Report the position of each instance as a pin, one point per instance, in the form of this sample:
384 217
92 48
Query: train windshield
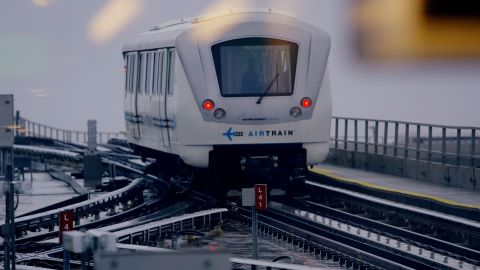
251 67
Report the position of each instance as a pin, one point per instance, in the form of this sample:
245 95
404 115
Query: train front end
263 106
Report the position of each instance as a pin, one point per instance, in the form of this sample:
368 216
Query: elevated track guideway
355 230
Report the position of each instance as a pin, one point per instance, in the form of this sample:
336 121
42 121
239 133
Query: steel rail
118 217
146 230
413 214
81 208
314 239
386 232
389 255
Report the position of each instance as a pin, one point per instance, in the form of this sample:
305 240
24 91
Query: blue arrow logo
229 134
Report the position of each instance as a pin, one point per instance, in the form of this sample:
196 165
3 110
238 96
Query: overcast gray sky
65 67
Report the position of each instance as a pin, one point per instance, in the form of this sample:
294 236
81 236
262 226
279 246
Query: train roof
164 34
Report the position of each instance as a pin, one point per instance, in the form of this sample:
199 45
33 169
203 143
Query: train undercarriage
281 166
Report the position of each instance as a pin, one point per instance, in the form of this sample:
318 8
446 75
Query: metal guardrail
103 201
46 153
455 145
25 127
458 145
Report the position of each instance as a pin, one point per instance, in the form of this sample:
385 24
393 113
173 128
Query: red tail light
208 105
306 102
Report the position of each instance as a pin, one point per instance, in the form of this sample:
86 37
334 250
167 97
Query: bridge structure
433 154
440 154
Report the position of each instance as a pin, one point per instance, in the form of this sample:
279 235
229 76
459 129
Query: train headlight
219 113
208 105
295 112
306 102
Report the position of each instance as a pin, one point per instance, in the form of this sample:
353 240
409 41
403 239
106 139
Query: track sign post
65 222
261 197
259 203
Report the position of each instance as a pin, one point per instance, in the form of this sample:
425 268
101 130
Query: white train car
236 92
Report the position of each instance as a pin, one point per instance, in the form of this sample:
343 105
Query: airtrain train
243 94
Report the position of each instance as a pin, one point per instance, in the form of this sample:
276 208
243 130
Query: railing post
376 137
472 148
56 133
385 138
430 134
418 142
45 131
459 145
395 141
407 139
366 136
345 137
355 135
444 145
336 133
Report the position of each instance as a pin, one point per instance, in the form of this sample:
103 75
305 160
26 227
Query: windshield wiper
259 101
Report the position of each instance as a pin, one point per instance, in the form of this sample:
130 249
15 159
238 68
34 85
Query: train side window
129 72
171 71
135 72
163 71
125 70
145 65
160 71
143 73
149 79
132 73
154 73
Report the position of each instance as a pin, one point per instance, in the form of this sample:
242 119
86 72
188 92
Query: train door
127 95
169 105
156 97
134 100
131 95
151 100
163 98
143 96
